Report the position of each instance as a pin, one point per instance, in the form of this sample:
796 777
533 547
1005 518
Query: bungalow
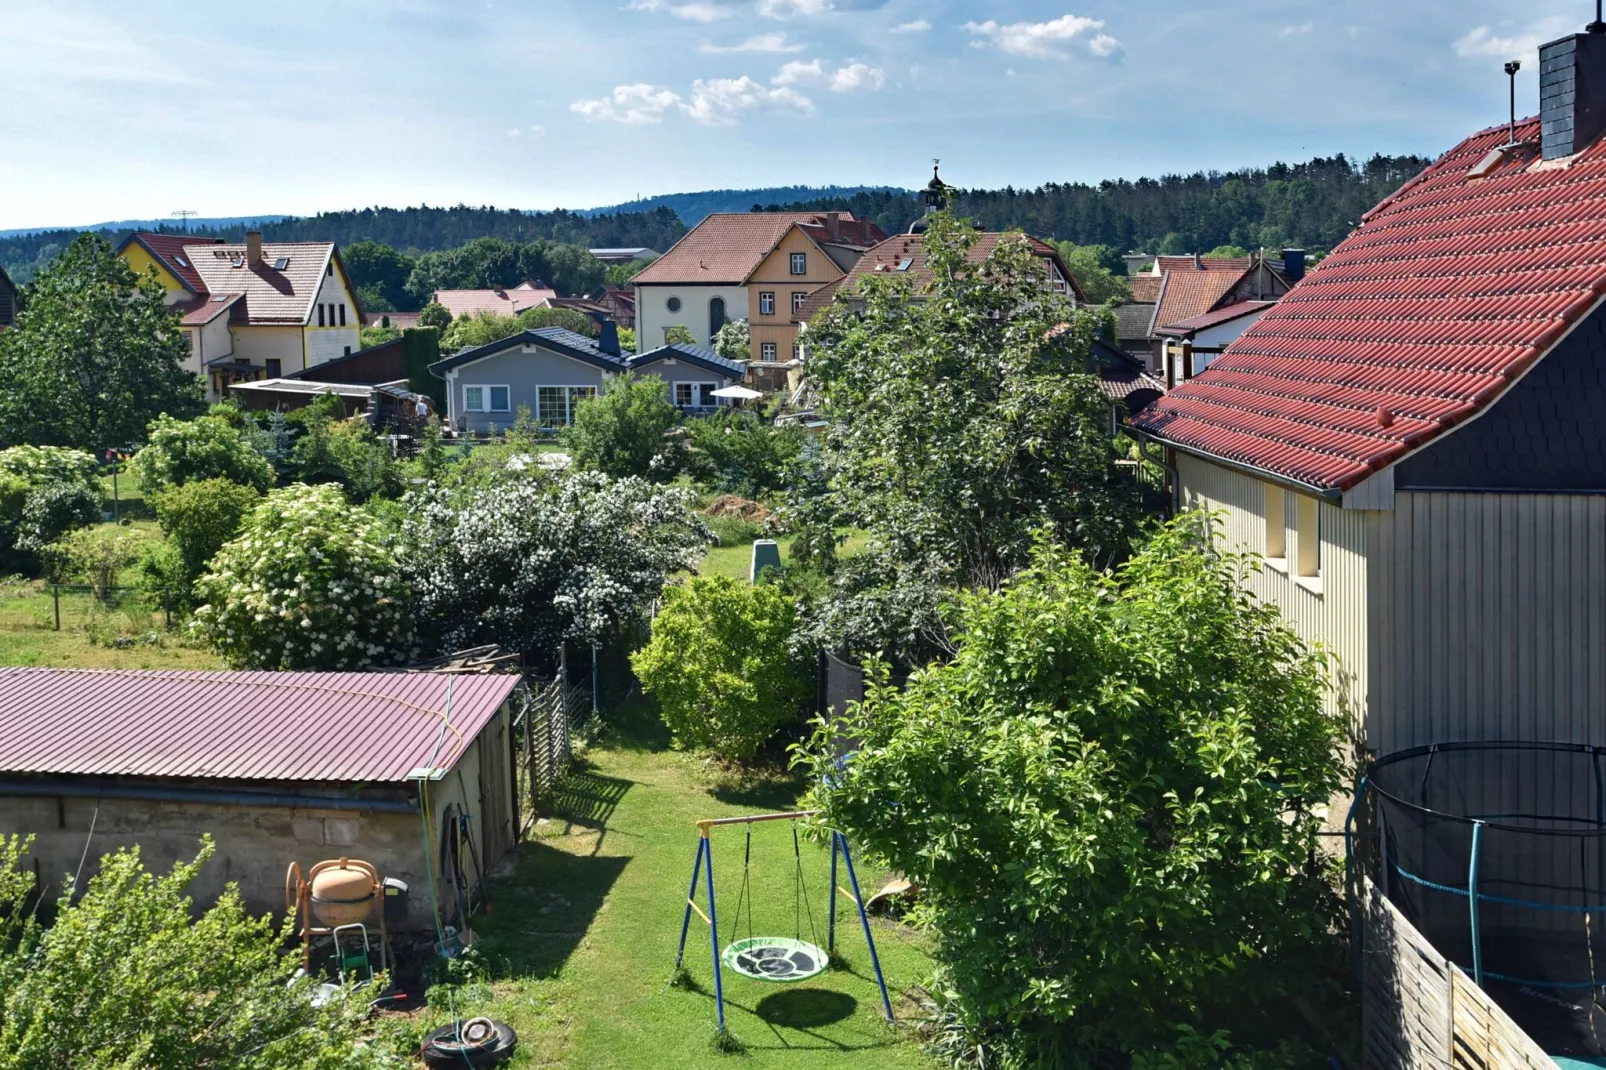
549 371
277 767
1411 439
691 373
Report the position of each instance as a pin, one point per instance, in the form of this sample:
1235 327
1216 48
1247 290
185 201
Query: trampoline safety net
1496 852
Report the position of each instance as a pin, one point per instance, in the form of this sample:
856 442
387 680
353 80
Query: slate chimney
1572 92
1294 264
253 247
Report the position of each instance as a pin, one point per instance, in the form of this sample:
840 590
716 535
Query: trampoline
1496 853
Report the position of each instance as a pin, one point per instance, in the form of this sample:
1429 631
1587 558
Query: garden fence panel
550 714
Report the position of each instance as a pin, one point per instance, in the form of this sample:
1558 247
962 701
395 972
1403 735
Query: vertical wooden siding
1331 613
1491 615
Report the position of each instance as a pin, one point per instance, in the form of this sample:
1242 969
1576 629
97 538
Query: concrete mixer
338 897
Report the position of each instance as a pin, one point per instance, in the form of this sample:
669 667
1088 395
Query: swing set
777 959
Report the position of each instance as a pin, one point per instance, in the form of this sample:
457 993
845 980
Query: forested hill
1312 204
693 208
414 230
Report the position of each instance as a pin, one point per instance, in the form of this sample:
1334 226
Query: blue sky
123 110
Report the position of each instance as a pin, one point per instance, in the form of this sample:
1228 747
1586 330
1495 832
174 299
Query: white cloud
1043 40
789 9
799 73
719 101
1484 42
917 26
857 76
633 105
764 42
1299 31
695 11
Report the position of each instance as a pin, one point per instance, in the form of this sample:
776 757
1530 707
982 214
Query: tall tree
95 356
380 275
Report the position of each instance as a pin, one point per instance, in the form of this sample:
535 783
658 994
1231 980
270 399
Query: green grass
735 561
580 944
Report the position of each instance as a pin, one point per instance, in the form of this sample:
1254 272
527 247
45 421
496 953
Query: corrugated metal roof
1424 316
370 727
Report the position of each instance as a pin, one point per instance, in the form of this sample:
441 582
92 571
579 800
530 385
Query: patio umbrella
741 392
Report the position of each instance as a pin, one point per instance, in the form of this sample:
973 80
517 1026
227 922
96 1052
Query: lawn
580 943
736 561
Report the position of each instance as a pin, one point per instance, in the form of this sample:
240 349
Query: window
797 351
716 316
342 313
473 399
280 263
555 405
798 297
329 269
683 394
499 399
275 367
766 303
767 351
696 395
1276 530
1308 532
673 304
800 263
320 315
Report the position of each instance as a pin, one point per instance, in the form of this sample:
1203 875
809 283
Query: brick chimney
1572 92
833 224
253 248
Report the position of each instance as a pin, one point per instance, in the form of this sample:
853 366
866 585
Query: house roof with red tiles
1214 318
1145 288
904 256
1188 293
171 250
1239 264
203 308
727 247
499 301
1446 294
273 294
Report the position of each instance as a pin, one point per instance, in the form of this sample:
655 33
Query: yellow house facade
777 289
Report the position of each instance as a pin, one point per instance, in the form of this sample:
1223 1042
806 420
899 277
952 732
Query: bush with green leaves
734 341
39 465
94 555
207 447
311 582
1110 798
347 453
435 315
721 666
747 455
532 559
626 430
52 511
129 975
198 519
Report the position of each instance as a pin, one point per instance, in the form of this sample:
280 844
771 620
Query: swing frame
703 866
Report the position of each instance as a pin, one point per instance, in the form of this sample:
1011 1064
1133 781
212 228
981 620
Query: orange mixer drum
343 892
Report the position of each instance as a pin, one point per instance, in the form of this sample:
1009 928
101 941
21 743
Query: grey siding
1490 619
684 372
1544 434
523 371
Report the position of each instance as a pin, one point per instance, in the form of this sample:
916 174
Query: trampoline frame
1478 823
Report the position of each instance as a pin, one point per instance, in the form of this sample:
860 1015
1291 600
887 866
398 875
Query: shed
277 767
549 371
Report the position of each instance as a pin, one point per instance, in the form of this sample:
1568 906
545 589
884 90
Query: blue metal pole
830 925
1349 873
1472 898
858 897
713 934
685 926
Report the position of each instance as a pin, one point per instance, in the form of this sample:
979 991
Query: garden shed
277 767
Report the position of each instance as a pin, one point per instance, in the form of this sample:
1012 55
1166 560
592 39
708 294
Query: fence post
55 591
167 610
596 706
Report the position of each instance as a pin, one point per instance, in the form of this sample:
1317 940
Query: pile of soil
731 505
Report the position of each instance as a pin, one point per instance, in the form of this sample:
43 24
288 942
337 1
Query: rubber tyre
495 1050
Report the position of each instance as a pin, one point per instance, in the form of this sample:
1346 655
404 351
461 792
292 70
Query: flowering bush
45 492
310 583
524 563
37 465
208 447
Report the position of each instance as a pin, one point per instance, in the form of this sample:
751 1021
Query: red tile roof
501 302
1239 264
170 250
1189 293
1146 288
1224 314
373 727
727 247
203 308
1424 316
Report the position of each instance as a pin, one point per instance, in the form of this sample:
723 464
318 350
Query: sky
118 110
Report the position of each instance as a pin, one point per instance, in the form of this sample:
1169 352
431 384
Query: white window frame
485 397
692 386
798 297
767 351
766 303
569 403
469 406
800 263
490 398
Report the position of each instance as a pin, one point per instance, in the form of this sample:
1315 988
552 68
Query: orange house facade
793 270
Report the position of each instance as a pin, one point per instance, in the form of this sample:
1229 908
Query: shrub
435 315
129 975
346 452
310 583
528 561
721 667
198 519
96 555
623 431
51 511
45 491
208 447
38 465
733 530
1110 798
749 456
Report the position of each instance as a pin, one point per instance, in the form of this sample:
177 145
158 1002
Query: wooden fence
544 727
1419 1011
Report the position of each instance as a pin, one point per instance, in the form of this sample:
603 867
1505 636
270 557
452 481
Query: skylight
904 265
181 261
281 263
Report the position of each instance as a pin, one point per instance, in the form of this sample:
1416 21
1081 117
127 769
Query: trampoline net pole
1472 904
830 924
